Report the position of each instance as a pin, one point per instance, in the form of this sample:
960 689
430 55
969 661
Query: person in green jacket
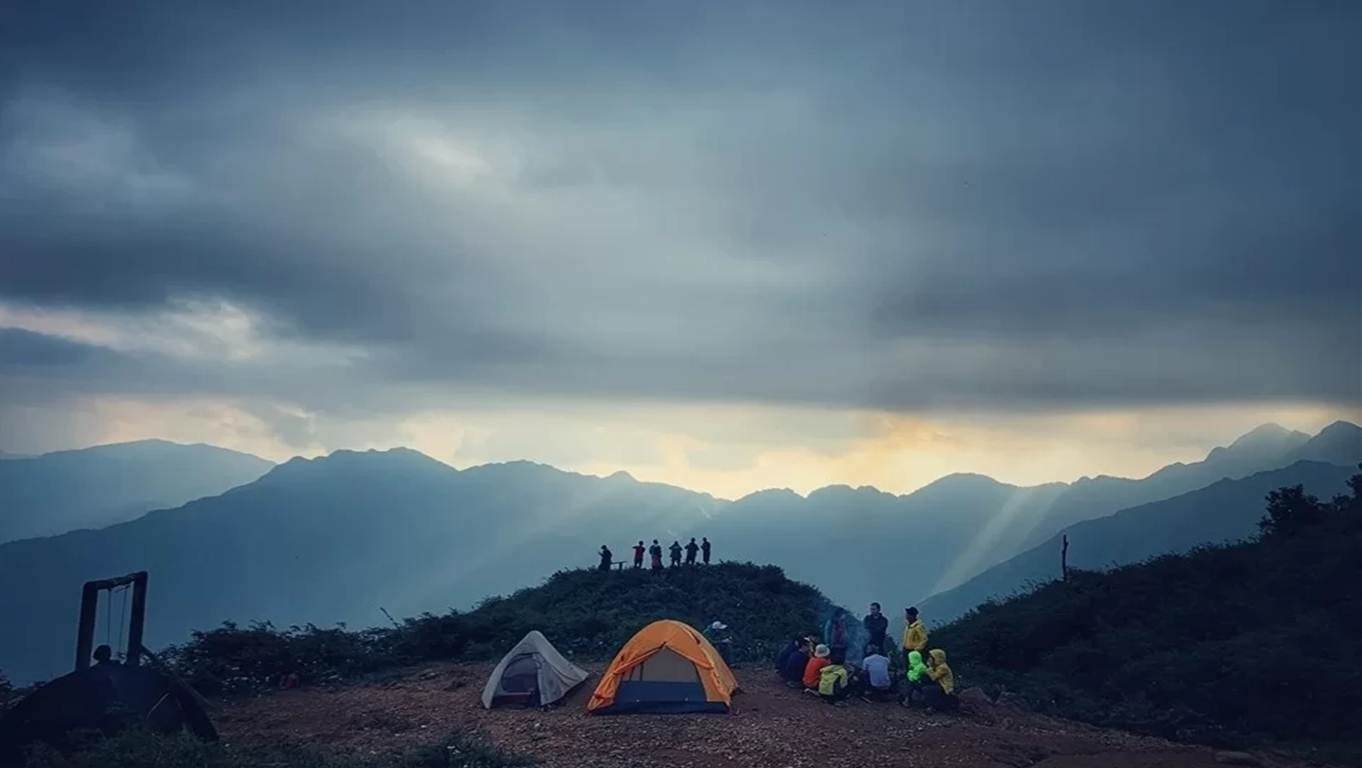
918 679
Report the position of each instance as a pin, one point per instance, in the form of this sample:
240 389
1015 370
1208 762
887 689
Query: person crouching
941 696
834 680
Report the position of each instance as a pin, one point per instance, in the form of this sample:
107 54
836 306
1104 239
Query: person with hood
639 549
814 668
834 680
941 696
656 551
914 633
606 556
675 549
704 549
917 679
876 626
691 549
793 668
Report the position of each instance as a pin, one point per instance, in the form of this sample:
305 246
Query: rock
1237 758
1009 699
975 696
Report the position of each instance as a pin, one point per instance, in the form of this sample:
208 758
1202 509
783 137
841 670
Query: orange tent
666 667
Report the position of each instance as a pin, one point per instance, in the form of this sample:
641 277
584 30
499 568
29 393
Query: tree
1291 510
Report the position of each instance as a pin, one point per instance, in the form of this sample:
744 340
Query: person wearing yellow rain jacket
942 695
834 680
914 634
918 679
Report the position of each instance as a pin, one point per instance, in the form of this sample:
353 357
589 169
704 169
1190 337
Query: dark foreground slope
1257 641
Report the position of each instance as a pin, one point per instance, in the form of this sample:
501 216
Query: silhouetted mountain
330 540
1228 510
1266 447
107 484
1338 443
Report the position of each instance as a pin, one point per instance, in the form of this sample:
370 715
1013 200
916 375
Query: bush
586 613
1223 645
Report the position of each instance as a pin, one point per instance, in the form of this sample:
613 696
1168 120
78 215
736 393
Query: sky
726 245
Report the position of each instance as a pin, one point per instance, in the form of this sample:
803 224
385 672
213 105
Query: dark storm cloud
899 205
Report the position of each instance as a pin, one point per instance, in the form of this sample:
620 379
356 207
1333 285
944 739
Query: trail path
772 726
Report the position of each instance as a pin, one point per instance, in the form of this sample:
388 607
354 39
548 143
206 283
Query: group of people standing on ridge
655 554
909 677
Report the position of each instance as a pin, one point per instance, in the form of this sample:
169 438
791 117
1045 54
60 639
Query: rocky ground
771 726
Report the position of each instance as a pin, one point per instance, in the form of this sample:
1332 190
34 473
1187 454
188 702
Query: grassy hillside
1253 642
585 613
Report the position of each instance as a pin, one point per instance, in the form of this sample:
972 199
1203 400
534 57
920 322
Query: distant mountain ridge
333 538
95 487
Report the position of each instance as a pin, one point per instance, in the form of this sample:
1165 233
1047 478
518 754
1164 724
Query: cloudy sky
728 245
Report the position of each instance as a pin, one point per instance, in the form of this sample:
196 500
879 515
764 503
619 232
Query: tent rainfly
666 667
533 673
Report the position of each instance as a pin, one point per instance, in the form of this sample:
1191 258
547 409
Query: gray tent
534 673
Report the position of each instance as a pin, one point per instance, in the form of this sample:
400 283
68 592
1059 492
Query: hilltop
1254 642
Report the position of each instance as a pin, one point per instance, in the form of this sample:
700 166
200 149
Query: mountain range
334 538
95 487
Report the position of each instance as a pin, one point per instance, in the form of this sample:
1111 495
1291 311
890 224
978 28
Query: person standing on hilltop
639 549
606 556
656 551
876 626
675 549
914 634
691 549
704 549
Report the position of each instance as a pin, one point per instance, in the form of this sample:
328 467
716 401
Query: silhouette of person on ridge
691 549
638 554
704 549
606 556
675 549
656 551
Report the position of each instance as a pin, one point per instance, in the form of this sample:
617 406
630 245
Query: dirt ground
771 726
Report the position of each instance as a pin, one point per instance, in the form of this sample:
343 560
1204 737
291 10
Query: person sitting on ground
786 650
103 655
917 679
717 635
940 697
704 549
878 683
691 549
815 666
834 680
793 669
656 551
639 549
676 553
606 556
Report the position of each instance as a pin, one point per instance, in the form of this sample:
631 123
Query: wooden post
85 631
1064 559
133 655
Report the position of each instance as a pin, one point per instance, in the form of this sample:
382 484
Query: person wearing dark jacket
793 670
656 551
606 556
785 652
691 549
675 549
704 549
876 626
639 549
